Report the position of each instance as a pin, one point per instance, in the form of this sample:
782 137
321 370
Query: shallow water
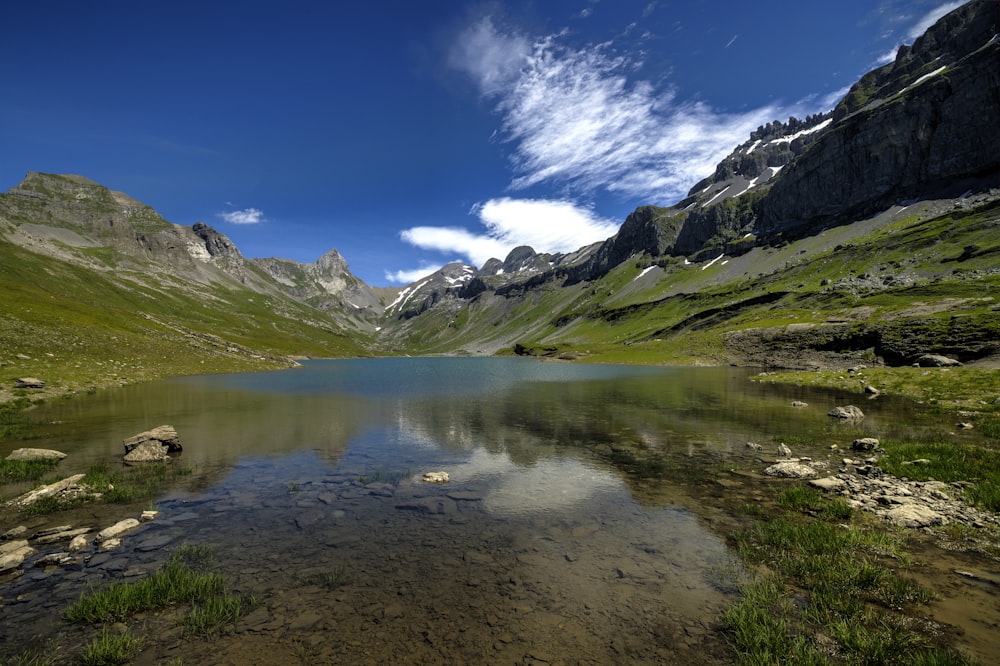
540 549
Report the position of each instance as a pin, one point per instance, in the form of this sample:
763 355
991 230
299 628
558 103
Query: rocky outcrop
647 230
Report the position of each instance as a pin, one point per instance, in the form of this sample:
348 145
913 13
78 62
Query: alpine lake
584 519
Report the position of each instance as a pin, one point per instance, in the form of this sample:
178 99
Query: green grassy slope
80 328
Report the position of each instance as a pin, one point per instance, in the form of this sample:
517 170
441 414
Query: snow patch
925 77
644 271
717 195
793 137
713 261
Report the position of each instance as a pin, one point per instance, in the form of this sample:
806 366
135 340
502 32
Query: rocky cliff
926 122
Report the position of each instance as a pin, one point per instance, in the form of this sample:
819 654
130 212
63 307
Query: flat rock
116 530
791 470
13 554
866 444
36 454
913 515
435 477
29 382
828 483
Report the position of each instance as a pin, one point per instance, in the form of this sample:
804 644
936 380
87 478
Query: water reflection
542 547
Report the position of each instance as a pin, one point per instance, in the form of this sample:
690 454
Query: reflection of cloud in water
550 484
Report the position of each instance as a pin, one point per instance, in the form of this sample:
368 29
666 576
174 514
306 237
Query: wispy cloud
576 117
920 27
412 275
545 225
245 216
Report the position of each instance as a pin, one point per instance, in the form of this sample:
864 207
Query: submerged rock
435 477
116 530
14 553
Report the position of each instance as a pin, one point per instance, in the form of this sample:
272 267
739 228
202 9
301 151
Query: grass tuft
111 649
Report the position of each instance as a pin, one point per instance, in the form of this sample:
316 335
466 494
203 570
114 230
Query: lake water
549 544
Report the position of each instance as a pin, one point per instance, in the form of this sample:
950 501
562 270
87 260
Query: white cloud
412 275
576 118
245 216
931 17
545 225
920 27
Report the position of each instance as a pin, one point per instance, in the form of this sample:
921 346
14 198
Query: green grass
844 575
125 486
110 649
977 465
184 579
13 471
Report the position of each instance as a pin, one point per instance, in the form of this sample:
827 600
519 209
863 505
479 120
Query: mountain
866 234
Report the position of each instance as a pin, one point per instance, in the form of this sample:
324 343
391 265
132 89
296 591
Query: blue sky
410 134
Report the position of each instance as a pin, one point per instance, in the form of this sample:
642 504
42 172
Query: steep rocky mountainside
867 234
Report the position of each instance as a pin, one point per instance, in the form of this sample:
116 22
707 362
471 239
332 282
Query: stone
964 426
753 446
914 515
784 451
937 361
62 534
865 444
791 470
871 390
14 532
435 477
29 382
36 454
110 544
148 515
848 412
147 451
828 483
799 403
116 530
78 543
14 553
54 559
164 434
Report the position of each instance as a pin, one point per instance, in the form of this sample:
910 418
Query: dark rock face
925 121
216 244
647 230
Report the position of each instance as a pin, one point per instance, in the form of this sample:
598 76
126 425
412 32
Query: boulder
791 470
865 444
147 451
436 477
164 434
29 382
35 454
848 412
937 361
784 451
